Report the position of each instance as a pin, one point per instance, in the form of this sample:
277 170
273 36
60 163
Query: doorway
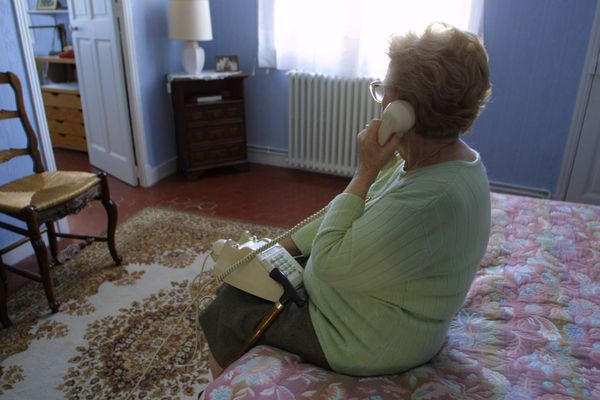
111 127
579 180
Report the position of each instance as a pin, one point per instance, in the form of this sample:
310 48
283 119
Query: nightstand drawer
216 133
200 113
200 156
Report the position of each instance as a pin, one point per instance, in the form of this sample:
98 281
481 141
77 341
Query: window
348 37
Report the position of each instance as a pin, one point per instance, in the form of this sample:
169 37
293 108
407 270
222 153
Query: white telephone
259 257
398 116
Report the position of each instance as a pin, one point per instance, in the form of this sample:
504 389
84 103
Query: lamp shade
189 20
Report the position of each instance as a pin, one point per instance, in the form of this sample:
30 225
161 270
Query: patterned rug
112 320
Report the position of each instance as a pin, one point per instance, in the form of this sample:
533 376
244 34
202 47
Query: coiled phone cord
248 257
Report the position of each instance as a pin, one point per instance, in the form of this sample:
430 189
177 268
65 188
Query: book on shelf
208 99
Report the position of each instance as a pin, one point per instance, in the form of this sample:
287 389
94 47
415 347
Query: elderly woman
385 277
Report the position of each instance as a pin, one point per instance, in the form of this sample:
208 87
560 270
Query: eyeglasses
377 90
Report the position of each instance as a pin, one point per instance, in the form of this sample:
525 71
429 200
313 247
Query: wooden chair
42 199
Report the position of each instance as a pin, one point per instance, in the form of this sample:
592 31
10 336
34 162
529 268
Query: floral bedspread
529 328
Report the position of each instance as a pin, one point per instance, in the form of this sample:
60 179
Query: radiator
325 114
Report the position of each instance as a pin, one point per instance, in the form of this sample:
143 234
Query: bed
529 328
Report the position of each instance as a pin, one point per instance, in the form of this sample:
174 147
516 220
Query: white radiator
325 114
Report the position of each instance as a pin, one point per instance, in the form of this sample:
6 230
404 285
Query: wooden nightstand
210 122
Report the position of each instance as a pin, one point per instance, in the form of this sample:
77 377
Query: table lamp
190 20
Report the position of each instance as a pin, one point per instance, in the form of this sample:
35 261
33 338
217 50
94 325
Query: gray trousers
231 318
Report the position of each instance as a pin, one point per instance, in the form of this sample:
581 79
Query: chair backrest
32 144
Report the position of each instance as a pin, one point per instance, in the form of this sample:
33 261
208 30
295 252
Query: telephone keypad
278 257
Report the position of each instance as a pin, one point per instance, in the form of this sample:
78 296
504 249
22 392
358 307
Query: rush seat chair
41 199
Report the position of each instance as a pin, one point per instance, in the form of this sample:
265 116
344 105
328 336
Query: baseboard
153 175
268 156
509 188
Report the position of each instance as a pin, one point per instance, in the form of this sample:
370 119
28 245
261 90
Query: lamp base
192 58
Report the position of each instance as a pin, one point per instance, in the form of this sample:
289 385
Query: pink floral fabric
529 328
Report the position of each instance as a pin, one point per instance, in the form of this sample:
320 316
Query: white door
584 183
102 85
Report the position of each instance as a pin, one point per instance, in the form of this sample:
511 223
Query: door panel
584 183
102 85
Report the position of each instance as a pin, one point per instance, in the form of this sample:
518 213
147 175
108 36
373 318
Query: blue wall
235 28
536 48
157 56
11 132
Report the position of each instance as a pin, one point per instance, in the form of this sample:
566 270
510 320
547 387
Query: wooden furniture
42 199
62 103
55 60
209 123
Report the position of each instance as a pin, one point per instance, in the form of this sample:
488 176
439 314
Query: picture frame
47 4
227 64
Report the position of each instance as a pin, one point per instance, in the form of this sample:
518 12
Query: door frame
591 63
125 14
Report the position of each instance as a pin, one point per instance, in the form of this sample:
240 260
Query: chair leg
52 240
3 297
111 212
41 253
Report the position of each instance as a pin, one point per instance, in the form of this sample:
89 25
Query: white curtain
349 37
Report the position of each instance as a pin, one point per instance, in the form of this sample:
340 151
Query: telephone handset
398 116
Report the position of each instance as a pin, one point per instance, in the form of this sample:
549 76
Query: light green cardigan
384 279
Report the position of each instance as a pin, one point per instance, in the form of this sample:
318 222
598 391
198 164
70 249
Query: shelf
65 87
49 12
55 59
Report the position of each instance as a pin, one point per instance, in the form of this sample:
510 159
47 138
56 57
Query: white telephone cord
248 257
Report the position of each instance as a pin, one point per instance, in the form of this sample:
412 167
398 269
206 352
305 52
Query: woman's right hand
371 158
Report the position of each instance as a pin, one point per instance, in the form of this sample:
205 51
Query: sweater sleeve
354 250
303 237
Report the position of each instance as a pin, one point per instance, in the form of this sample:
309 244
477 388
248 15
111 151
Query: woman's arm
290 246
371 159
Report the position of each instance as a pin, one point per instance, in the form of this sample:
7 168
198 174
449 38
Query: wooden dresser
210 123
62 103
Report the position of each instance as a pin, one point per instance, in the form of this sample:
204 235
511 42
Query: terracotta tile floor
265 195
